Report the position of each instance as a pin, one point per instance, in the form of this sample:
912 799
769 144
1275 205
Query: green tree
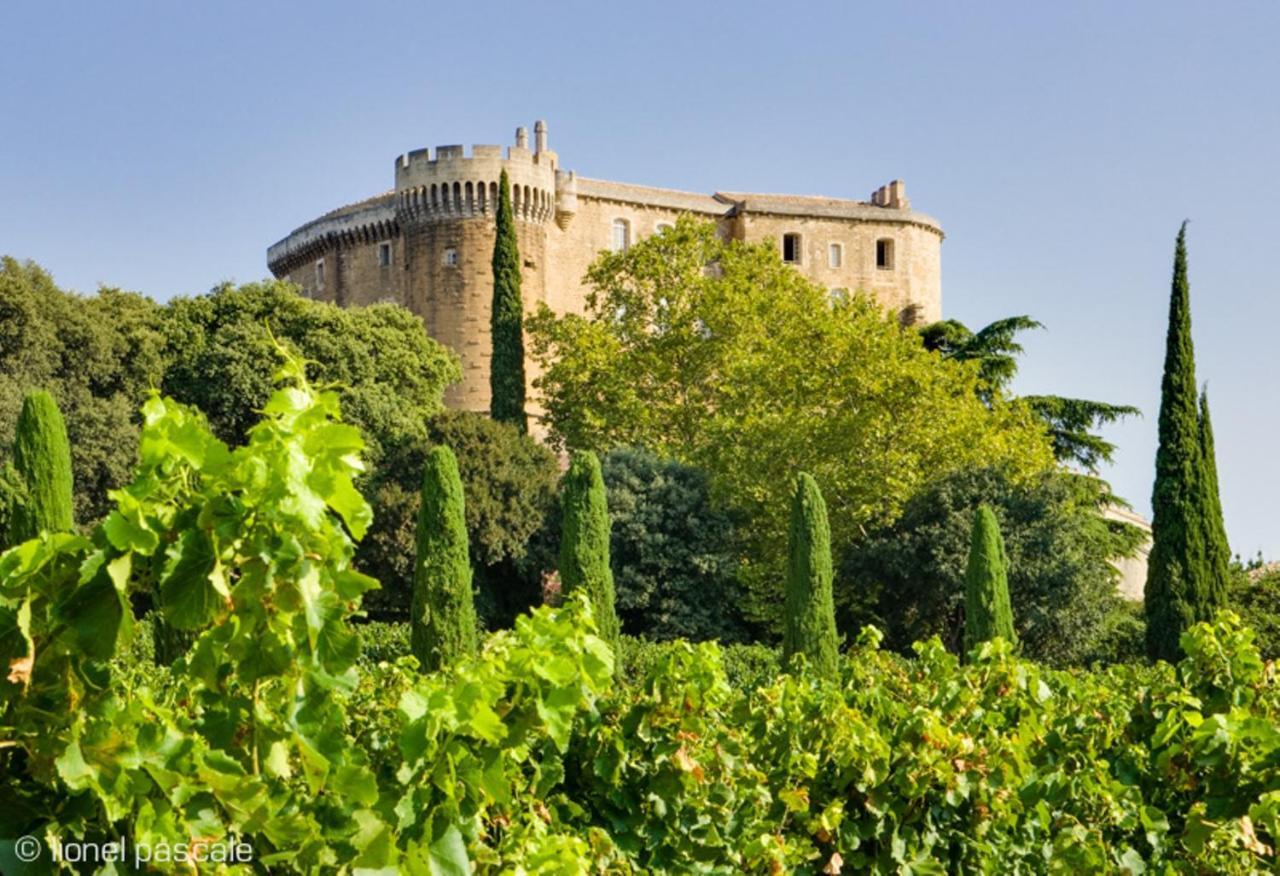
506 320
221 347
810 616
1071 422
1217 548
443 618
994 347
390 376
97 355
584 541
750 372
987 613
908 578
1180 586
511 486
673 550
42 461
1255 594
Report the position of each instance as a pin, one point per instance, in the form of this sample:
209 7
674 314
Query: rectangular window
384 255
320 274
451 257
791 248
835 255
621 235
884 254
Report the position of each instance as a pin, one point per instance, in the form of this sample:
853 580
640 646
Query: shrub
673 550
908 578
384 642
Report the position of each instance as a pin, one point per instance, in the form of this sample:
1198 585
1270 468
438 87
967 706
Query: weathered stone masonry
427 243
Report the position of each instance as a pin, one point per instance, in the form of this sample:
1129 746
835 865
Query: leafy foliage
1185 568
390 373
909 577
584 540
994 347
703 351
672 549
249 549
987 614
1217 549
42 465
810 627
510 482
96 355
443 618
506 320
529 758
1071 421
1255 594
927 766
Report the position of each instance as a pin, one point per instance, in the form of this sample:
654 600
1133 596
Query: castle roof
819 206
733 203
673 199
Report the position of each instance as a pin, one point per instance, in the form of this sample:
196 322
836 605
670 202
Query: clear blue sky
162 146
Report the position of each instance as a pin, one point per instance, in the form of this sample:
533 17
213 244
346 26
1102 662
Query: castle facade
428 242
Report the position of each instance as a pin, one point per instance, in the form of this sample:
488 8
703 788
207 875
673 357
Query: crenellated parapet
448 184
369 221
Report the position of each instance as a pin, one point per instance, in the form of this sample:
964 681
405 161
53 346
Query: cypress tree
1217 548
987 613
42 462
1178 580
810 615
443 621
584 542
506 320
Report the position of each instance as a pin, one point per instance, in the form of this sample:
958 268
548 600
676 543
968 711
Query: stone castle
427 244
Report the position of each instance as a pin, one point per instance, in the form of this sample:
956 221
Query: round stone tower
446 204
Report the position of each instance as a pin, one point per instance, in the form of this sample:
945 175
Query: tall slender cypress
1178 584
810 627
987 612
443 615
584 542
1217 548
42 462
506 320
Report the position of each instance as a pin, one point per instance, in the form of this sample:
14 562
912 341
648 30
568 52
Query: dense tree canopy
718 354
221 359
673 550
909 577
96 355
510 483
